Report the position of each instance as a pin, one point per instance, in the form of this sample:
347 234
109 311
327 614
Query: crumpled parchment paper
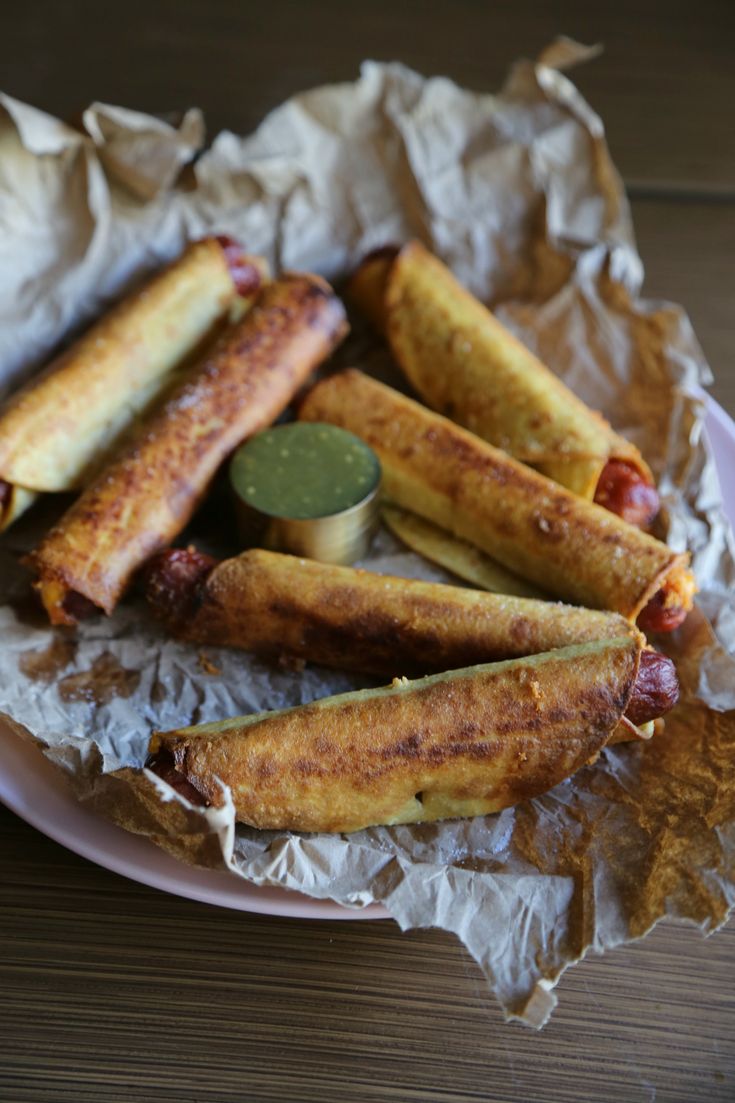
517 192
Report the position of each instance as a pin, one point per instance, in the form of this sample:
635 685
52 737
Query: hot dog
245 271
463 743
623 490
569 546
55 431
664 612
466 365
655 691
284 606
143 499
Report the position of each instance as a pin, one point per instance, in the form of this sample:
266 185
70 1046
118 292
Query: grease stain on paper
46 665
106 679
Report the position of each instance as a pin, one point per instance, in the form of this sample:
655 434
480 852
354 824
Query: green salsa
304 470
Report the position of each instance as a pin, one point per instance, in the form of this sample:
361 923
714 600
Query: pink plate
34 789
30 786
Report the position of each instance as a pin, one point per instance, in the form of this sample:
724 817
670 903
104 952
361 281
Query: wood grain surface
113 991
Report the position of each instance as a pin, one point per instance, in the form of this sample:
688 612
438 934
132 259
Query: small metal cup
340 537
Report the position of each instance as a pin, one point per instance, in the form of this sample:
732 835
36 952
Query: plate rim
43 799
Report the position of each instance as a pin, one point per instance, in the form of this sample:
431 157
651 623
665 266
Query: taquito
57 427
464 363
143 499
565 544
463 743
283 606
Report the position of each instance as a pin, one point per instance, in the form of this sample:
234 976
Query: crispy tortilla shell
463 743
279 605
15 501
456 556
53 429
464 363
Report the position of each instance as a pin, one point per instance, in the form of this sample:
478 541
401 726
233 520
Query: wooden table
112 991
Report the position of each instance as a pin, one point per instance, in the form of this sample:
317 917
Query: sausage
661 615
464 363
655 690
623 490
668 606
77 606
57 430
172 579
162 763
277 605
567 545
462 743
246 276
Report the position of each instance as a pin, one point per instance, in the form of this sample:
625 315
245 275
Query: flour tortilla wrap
568 546
57 427
463 743
282 606
143 499
464 363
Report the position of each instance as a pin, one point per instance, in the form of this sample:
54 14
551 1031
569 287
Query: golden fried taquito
465 364
56 429
282 606
463 743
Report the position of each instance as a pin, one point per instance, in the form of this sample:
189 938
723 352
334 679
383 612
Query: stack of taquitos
468 366
565 544
463 743
143 499
57 428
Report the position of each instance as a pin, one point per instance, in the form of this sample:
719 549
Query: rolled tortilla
566 545
463 743
464 363
55 429
282 606
143 499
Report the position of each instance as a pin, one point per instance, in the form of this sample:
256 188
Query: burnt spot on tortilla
409 747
